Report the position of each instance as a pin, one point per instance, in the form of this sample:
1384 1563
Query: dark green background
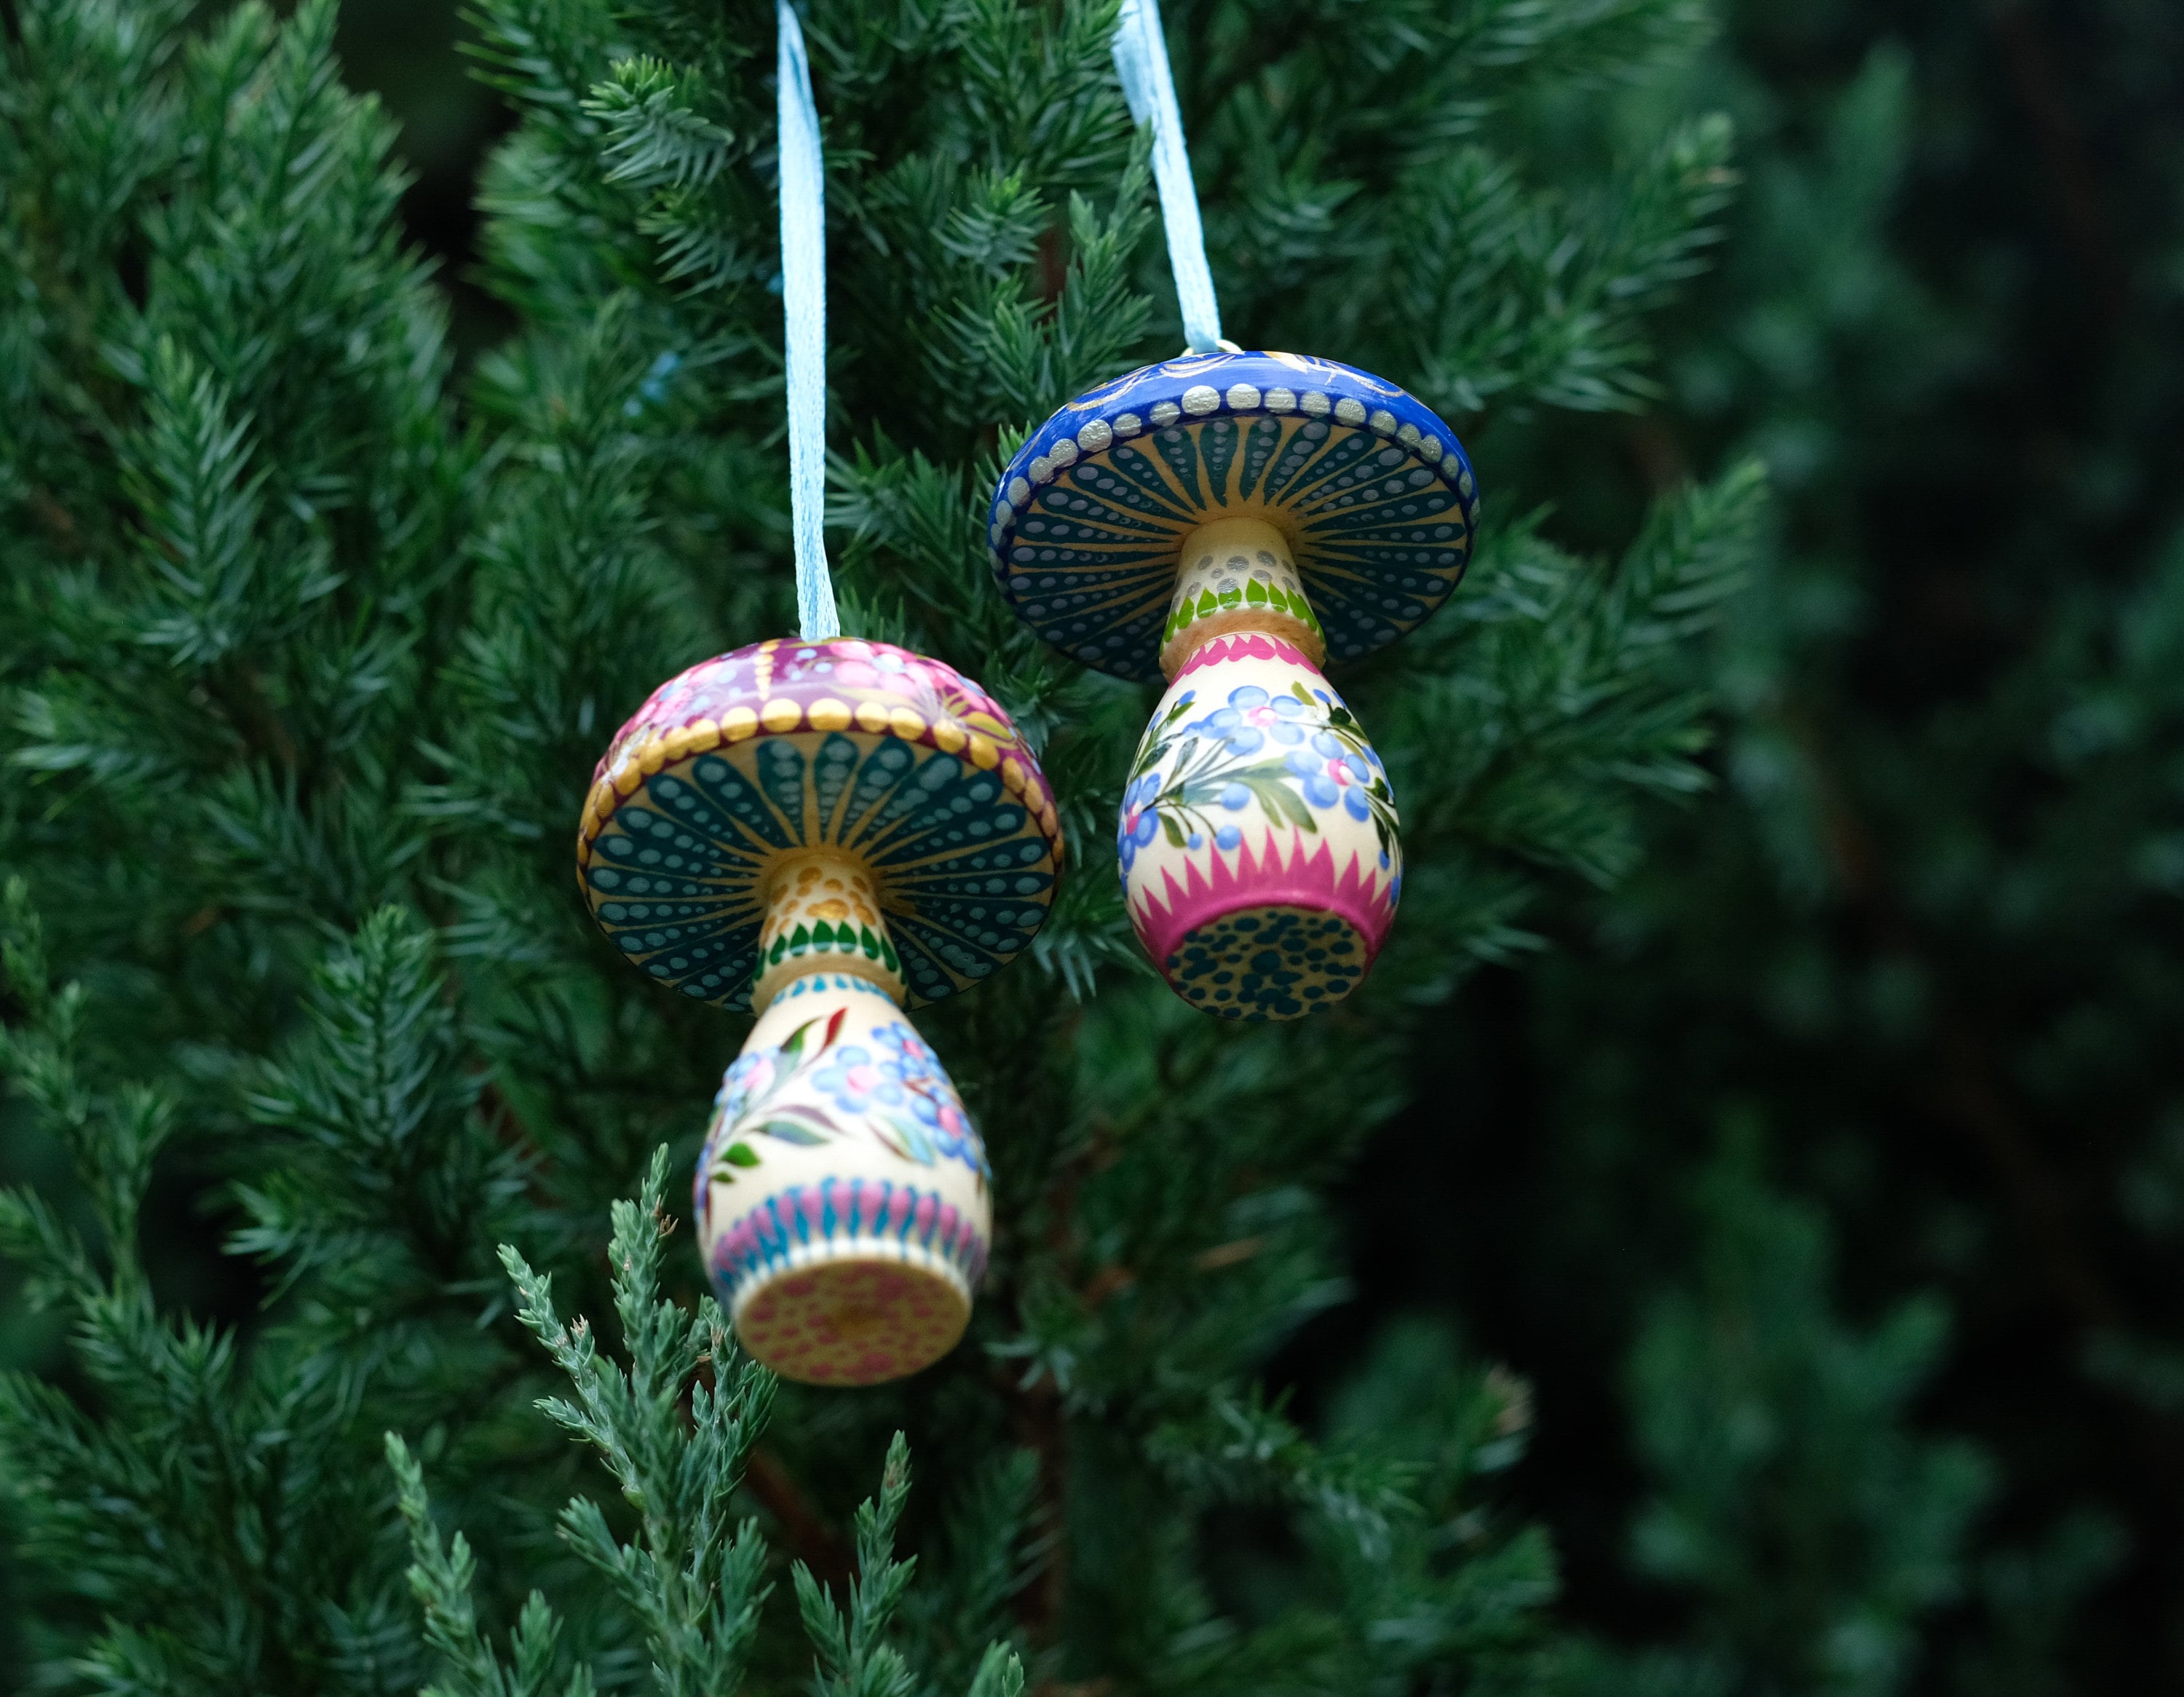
1922 945
1910 979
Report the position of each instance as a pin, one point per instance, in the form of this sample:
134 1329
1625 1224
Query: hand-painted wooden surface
824 831
841 1198
747 759
1260 860
1371 489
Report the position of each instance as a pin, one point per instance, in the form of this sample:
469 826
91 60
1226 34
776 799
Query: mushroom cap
744 759
1373 489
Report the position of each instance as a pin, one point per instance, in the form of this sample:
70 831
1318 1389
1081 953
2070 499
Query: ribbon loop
804 314
1141 61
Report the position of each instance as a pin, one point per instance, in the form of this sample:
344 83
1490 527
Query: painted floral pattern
898 1087
814 1088
1290 756
846 667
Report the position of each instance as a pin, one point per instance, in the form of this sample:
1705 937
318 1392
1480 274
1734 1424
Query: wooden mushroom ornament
1233 521
827 833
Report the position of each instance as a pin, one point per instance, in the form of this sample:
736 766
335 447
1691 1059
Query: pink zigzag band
1246 644
1309 880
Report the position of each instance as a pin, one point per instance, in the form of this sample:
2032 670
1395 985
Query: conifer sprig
311 644
674 1427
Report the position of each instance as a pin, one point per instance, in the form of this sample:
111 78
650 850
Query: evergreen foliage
1919 951
311 645
1809 1146
1788 1495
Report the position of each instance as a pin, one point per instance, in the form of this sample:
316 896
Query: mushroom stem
841 1198
823 914
1238 575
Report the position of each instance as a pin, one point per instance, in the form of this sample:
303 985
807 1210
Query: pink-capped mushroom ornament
828 833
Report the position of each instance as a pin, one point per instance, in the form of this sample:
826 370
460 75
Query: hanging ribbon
804 311
1141 59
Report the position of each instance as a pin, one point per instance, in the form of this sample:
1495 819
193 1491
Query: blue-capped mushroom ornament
1232 521
827 833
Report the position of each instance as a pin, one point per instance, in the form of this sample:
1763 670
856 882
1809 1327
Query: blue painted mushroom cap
1372 489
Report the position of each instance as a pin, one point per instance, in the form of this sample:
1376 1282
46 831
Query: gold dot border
653 751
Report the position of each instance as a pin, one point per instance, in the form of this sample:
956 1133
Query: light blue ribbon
804 312
1141 59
